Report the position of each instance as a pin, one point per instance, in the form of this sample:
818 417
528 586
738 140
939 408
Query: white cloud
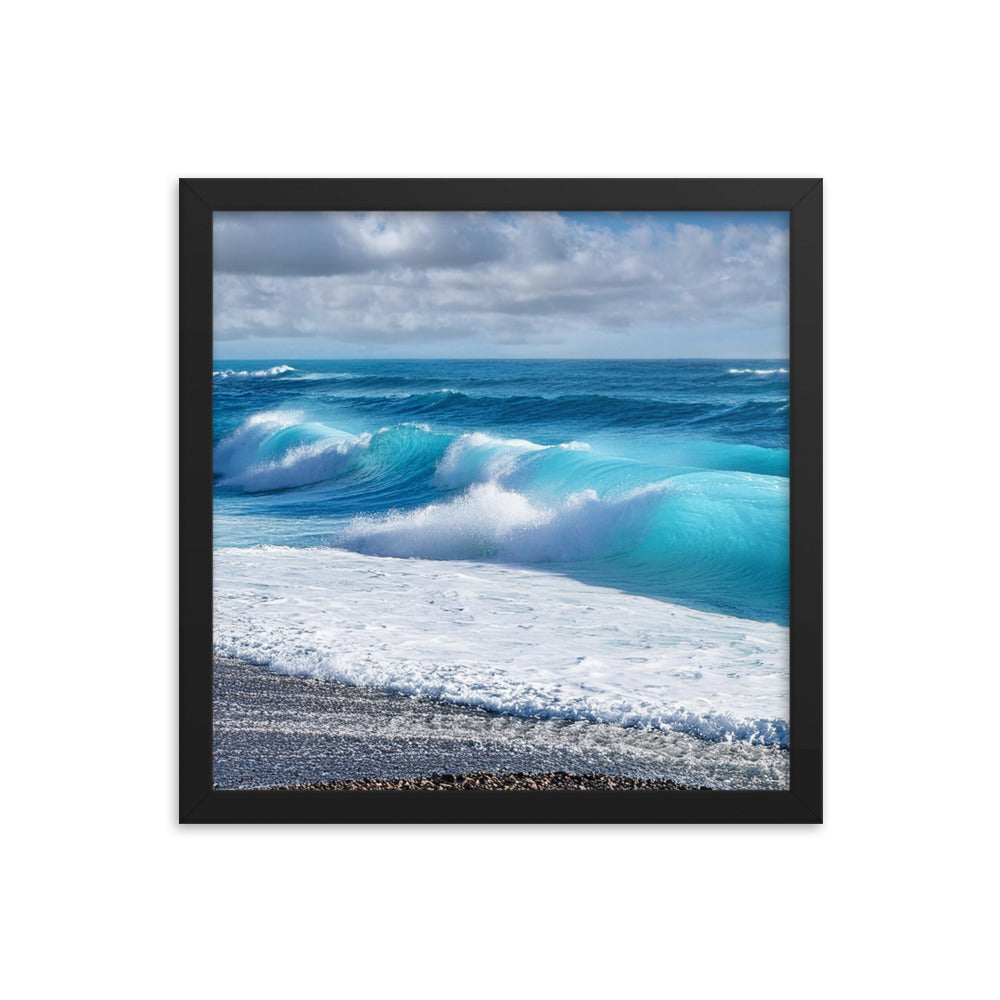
417 283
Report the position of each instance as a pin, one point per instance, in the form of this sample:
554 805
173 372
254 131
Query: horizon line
734 357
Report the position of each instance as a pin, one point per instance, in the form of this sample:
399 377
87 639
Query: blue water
663 478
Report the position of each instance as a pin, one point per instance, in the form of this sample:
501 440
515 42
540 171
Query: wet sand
272 730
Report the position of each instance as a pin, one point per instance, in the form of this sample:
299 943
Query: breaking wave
259 373
410 491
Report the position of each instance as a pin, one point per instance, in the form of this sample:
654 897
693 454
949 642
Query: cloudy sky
498 284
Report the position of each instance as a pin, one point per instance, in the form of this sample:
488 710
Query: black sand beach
276 731
558 781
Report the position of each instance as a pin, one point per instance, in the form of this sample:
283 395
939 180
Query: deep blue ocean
667 479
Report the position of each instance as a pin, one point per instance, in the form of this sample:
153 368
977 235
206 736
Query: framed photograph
501 501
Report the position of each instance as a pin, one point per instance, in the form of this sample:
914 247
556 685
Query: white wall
108 104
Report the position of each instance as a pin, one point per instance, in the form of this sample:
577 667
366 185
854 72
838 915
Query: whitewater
602 541
505 638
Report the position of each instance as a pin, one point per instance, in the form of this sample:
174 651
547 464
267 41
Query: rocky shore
553 780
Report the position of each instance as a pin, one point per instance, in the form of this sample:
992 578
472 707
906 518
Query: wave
478 458
354 381
695 534
489 522
260 373
758 371
739 417
409 491
280 449
277 450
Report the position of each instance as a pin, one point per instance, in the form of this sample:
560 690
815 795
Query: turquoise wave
702 521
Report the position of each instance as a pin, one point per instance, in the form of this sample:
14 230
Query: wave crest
408 491
277 450
259 373
488 521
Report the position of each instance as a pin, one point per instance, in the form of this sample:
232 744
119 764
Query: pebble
552 780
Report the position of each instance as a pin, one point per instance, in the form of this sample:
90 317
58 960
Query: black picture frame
200 802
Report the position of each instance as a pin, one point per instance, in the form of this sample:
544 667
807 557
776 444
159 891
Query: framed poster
500 500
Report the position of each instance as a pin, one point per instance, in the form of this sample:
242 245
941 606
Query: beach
550 571
272 730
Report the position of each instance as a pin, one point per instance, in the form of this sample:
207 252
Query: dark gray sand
550 781
273 730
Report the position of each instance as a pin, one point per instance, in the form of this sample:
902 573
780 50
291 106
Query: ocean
590 540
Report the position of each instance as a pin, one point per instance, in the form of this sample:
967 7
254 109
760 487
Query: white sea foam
758 371
508 639
479 457
259 373
488 521
235 452
482 458
305 464
323 453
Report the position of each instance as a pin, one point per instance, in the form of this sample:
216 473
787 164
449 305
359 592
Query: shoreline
518 640
278 731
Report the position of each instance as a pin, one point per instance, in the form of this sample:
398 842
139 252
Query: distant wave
758 371
259 373
590 410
